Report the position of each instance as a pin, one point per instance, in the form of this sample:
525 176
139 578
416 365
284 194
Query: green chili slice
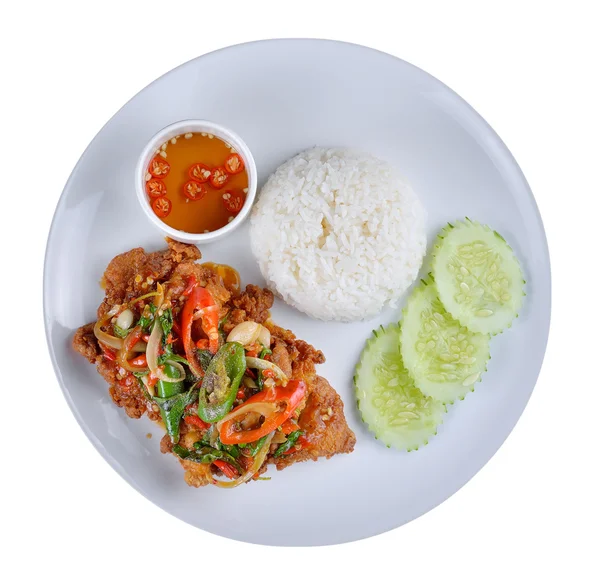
166 389
205 357
264 353
221 382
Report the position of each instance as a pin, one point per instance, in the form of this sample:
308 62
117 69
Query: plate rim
52 233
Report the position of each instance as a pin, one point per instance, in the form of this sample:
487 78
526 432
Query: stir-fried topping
265 366
200 304
225 390
261 413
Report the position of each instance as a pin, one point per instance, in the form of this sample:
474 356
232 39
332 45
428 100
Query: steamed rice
338 233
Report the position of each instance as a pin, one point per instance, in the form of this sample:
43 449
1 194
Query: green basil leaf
232 449
166 322
201 444
175 357
205 455
165 356
147 317
181 451
291 441
172 410
256 446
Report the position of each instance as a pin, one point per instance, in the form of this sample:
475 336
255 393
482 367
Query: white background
530 515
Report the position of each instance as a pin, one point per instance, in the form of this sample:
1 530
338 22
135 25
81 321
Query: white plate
285 96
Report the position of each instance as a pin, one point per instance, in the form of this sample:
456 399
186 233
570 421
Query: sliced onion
263 408
160 295
139 298
200 313
249 382
149 388
161 374
123 355
123 361
107 339
152 357
255 363
254 467
110 340
279 437
153 347
269 383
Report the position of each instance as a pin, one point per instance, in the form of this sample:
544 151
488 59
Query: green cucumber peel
392 407
443 357
478 277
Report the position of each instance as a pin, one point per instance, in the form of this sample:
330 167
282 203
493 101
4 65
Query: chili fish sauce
196 182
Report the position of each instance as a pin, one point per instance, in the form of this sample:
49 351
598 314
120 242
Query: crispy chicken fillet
131 274
325 426
121 284
322 417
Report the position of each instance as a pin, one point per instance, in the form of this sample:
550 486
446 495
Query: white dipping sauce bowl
180 129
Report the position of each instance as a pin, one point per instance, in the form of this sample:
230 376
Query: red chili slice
199 172
161 206
139 361
156 188
109 354
218 177
159 167
194 190
196 421
234 201
234 164
226 468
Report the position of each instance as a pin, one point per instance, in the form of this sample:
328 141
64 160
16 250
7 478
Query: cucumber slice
478 277
443 357
392 407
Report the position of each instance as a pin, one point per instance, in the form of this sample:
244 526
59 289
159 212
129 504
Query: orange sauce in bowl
205 205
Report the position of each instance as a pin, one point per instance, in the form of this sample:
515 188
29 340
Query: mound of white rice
338 233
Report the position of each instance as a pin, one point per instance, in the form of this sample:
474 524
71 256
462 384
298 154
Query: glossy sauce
208 213
228 276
